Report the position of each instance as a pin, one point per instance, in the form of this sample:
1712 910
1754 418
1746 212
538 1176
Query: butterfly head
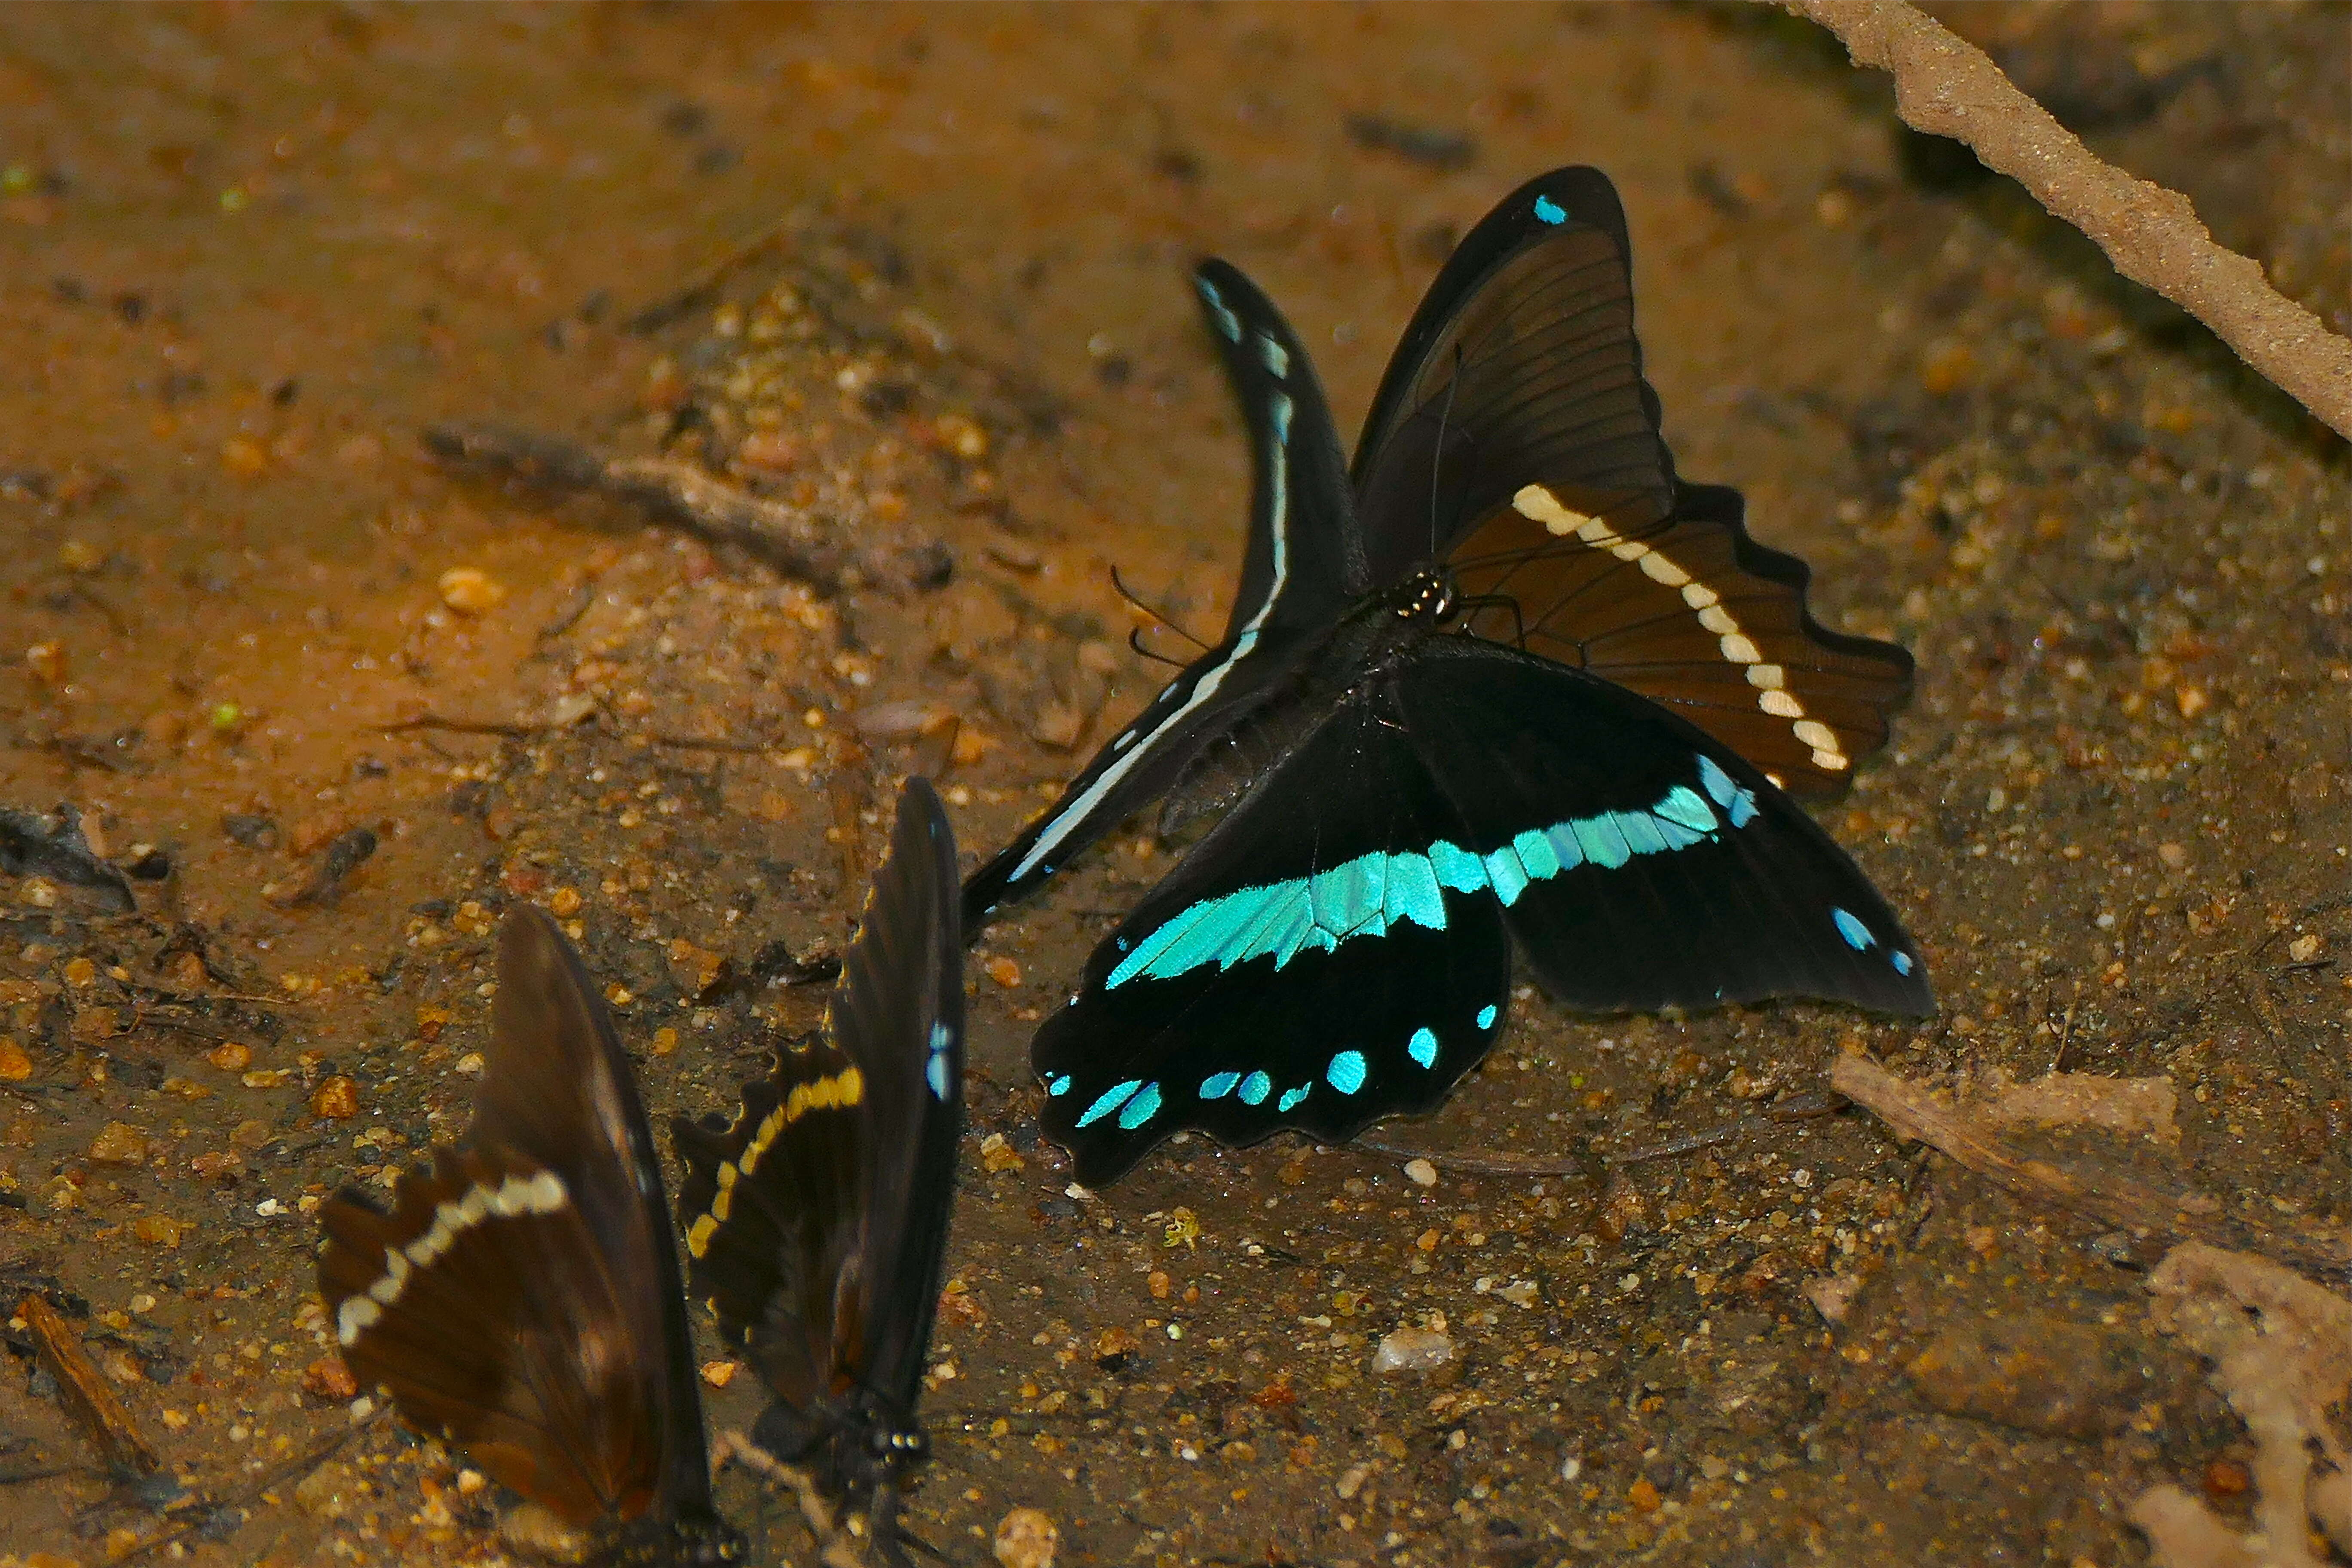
1428 594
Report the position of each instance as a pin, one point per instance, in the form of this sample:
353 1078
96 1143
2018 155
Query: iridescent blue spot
1110 1100
937 1075
1059 1086
1422 1046
1411 893
1456 868
1277 406
1551 211
1902 961
1682 805
1346 1072
1291 1097
1742 809
1639 831
1218 1085
1227 322
1535 853
1602 845
1505 875
1140 1110
1565 847
1277 358
1255 1088
1350 896
1486 1017
1857 935
1717 782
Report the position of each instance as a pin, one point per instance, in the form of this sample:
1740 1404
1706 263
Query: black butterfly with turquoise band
1506 680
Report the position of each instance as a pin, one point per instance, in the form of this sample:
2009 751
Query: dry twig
84 1392
2105 1197
1948 87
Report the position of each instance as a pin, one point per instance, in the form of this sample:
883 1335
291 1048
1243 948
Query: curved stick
1948 87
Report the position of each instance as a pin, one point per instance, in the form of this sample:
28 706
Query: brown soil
247 255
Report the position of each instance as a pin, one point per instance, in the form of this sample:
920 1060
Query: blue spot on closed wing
1602 845
1857 935
1227 322
1140 1110
1277 357
1347 1072
1110 1101
1277 406
1059 1086
1551 211
937 1075
1505 875
1291 1097
1255 1088
1422 1048
1218 1085
1902 962
1486 1017
1456 868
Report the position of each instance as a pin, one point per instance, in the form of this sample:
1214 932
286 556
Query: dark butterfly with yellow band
1506 679
816 1222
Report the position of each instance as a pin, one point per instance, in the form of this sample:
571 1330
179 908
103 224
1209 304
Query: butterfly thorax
854 1446
661 1543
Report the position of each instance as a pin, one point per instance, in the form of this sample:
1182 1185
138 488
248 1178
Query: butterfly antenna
1135 641
1157 615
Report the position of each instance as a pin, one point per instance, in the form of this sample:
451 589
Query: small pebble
719 1373
471 591
1026 1538
1004 971
231 1056
16 1066
329 1378
336 1097
158 1230
119 1143
1411 1350
1420 1172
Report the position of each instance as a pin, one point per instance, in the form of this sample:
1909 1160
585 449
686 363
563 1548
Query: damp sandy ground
248 254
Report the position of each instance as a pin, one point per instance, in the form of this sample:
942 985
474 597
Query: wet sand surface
249 255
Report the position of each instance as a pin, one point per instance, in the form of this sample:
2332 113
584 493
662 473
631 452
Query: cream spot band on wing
543 1194
833 1091
1771 681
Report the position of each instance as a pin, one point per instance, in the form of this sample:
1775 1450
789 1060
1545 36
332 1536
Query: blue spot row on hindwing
1551 211
1367 894
1227 322
1862 939
935 1072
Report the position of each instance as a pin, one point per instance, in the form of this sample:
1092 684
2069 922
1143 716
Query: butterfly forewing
1638 862
522 1298
1520 364
1304 967
817 1222
1301 567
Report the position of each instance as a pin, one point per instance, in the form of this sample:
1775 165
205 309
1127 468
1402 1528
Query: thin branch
2106 1197
1948 87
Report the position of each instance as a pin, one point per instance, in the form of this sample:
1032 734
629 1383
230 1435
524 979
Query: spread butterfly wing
899 1014
1304 967
523 1296
1520 364
1301 566
1638 862
1514 439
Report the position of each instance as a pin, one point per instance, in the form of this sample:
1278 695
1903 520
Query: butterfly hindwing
1641 863
1303 967
523 1296
1300 566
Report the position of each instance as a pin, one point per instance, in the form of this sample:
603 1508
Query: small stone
2173 856
1643 1496
719 1373
2302 948
221 1165
1420 1172
336 1098
231 1056
119 1143
37 892
563 903
16 1066
1026 1538
46 662
1114 1347
251 1133
471 591
1004 971
80 971
158 1230
1833 1295
245 458
1057 726
329 1378
1411 1350
1351 1481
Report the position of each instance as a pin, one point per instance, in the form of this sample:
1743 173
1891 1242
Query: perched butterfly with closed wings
522 1299
817 1223
1505 678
